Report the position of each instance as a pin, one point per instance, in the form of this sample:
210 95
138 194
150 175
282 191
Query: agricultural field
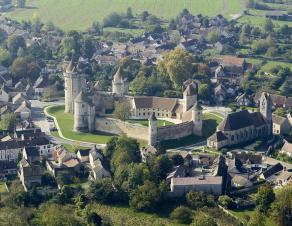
67 14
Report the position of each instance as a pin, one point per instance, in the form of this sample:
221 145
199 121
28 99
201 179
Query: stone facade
88 101
243 126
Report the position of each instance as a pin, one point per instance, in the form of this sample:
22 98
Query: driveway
39 119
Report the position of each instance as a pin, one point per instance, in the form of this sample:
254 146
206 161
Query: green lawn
65 122
79 14
271 64
144 122
2 188
211 121
245 215
125 216
257 17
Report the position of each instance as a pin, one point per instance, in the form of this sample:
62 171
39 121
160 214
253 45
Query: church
88 102
243 126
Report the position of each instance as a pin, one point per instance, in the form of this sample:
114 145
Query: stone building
243 126
74 83
120 85
86 101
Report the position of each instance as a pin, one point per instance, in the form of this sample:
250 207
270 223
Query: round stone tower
197 118
189 96
84 113
74 83
266 110
119 84
152 130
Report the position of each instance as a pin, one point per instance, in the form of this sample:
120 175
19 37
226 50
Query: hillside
67 14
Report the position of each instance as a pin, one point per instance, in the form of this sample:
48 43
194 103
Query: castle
87 101
243 126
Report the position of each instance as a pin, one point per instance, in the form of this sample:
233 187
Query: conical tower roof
190 90
118 76
72 66
82 98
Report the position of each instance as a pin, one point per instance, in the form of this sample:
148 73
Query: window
232 137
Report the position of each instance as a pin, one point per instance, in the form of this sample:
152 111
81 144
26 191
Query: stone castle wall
115 126
175 131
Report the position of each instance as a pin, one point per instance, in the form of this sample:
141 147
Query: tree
112 20
129 13
281 208
226 201
122 111
204 92
213 36
182 215
177 65
161 166
5 58
57 215
264 197
87 47
198 200
93 219
257 219
145 197
101 191
268 26
8 121
144 15
15 42
202 219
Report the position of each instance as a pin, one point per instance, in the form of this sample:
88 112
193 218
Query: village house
98 165
243 100
4 94
207 184
23 111
286 149
30 169
278 101
281 125
41 85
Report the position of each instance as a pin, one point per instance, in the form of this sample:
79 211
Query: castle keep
89 102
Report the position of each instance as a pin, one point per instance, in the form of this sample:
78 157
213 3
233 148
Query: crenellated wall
118 127
175 131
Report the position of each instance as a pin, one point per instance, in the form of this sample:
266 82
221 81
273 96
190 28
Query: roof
287 147
18 97
190 90
196 180
72 67
218 136
71 163
278 119
42 82
82 98
32 151
248 158
84 152
232 60
273 170
235 121
118 76
155 103
23 106
180 171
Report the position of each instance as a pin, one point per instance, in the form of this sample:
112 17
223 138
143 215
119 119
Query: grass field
144 122
126 216
79 14
65 122
2 188
211 121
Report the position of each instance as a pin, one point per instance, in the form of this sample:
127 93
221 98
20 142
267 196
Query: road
39 119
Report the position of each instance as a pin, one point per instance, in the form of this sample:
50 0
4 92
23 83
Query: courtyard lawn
65 121
210 122
80 14
144 122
